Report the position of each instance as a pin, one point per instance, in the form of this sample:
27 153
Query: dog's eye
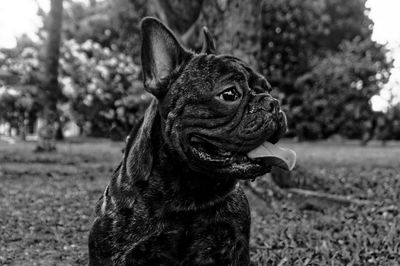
229 95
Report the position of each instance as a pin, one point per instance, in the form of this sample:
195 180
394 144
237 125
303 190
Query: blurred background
70 80
331 62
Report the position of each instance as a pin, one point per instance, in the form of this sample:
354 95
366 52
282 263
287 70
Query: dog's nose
264 101
272 105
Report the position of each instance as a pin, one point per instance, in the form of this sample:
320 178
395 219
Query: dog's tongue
274 155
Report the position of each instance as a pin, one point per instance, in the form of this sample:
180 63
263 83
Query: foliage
112 23
386 126
20 104
22 62
320 56
22 100
334 96
106 93
294 32
102 86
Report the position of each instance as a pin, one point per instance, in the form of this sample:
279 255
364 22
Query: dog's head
217 115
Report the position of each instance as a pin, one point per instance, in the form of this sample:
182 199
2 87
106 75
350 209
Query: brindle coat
171 204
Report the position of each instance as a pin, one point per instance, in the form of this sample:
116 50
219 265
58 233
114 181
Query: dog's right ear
162 54
208 42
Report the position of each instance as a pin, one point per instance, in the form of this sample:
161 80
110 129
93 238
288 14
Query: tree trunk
50 86
234 24
180 15
24 126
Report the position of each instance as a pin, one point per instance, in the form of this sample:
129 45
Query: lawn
47 200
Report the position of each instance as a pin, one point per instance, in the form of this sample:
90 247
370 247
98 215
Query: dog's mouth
266 155
273 155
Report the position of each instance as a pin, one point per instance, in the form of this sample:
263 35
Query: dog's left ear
162 54
208 42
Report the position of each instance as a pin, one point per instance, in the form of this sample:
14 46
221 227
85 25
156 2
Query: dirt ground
47 201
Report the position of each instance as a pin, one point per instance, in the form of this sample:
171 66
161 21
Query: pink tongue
274 155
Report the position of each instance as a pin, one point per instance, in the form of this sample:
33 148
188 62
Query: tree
112 23
235 24
338 89
50 87
19 97
320 57
103 88
297 44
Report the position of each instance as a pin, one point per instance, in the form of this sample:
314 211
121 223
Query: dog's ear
208 42
161 54
139 158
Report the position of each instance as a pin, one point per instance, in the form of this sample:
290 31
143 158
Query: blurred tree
334 96
180 15
19 100
21 105
110 23
386 124
236 26
103 88
50 87
317 54
392 123
320 57
103 41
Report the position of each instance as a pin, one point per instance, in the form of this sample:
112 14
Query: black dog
175 197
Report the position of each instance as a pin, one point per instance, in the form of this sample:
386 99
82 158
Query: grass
286 234
47 200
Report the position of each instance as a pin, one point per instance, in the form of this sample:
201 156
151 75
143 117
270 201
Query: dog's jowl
175 197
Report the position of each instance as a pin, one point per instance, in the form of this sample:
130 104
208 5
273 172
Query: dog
175 199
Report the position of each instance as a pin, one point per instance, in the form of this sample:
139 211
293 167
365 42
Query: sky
19 17
386 17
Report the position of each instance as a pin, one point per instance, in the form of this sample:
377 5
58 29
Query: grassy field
47 200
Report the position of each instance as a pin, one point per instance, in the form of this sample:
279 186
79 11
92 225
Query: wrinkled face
216 111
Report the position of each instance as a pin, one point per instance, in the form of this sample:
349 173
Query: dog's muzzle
269 153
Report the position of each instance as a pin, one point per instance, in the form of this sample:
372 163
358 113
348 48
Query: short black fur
175 198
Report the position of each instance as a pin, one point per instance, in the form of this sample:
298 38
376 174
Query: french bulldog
175 198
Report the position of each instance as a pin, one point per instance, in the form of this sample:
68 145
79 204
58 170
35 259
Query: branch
312 197
322 196
40 11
